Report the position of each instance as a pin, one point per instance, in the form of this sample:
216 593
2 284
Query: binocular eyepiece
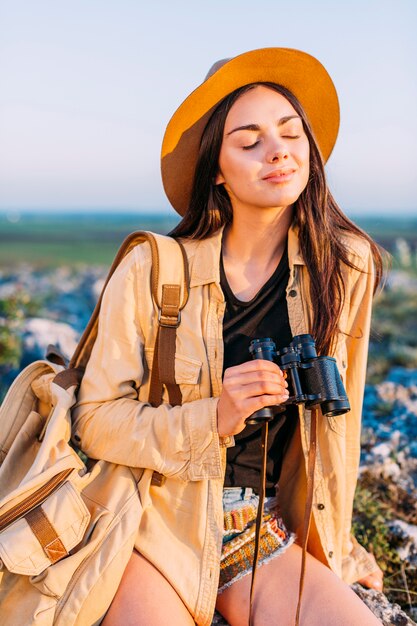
312 380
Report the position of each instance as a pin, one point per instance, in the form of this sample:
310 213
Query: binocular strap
259 515
309 504
307 512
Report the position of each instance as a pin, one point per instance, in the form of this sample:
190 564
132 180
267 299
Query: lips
281 174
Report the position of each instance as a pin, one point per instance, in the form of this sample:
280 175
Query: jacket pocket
187 374
30 544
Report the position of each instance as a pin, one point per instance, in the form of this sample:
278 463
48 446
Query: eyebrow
256 127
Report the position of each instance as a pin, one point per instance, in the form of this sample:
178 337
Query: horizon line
171 213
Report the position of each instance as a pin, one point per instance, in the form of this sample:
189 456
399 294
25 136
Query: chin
283 201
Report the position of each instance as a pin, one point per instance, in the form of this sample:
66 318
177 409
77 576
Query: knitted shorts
240 508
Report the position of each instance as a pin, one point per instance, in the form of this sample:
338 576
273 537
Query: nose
277 150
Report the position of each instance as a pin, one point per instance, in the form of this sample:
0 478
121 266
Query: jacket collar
204 256
295 256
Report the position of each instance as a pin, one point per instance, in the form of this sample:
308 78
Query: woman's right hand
247 388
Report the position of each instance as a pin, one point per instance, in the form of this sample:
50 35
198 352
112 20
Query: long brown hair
321 222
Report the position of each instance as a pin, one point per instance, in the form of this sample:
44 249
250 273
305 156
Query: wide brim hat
298 71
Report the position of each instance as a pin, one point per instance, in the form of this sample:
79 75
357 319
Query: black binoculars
312 380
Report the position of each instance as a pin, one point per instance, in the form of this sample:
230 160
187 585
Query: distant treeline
53 238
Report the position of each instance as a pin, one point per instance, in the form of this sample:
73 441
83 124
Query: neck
260 241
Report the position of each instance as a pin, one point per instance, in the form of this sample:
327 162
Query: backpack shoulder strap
170 290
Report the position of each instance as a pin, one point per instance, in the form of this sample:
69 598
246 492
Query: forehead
257 104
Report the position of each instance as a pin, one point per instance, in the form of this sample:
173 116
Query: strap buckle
169 321
158 479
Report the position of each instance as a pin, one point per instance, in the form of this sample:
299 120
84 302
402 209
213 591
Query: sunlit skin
264 158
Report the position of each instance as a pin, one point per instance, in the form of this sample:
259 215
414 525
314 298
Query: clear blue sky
87 87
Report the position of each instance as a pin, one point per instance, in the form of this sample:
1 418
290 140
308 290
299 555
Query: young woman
270 255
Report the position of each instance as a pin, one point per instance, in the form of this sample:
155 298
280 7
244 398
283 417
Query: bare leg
326 601
145 598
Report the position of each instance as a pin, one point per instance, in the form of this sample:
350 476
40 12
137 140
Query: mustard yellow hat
298 71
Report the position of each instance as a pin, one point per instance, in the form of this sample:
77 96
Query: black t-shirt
266 315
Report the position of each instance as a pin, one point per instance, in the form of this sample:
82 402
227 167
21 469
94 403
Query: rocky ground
385 517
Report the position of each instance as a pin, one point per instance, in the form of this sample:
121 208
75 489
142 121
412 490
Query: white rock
382 450
390 469
408 531
39 333
395 438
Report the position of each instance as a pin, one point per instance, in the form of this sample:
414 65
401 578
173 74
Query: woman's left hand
373 580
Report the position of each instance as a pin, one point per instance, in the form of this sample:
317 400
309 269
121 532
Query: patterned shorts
240 506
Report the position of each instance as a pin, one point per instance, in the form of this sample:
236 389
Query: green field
52 239
46 239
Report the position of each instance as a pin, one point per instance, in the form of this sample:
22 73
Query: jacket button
320 507
330 554
292 293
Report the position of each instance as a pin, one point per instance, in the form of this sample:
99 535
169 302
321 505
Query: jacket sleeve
357 562
109 420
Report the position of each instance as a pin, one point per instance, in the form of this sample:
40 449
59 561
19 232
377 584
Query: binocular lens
304 344
262 349
333 408
324 379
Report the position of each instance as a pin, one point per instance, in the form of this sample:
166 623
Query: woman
270 254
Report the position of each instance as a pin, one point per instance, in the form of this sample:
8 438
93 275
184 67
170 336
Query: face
264 158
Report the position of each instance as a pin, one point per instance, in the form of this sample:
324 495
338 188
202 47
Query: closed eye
291 136
252 145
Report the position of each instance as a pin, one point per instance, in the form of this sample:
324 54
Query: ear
219 180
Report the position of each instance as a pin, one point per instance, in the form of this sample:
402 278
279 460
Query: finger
260 402
257 365
234 376
265 384
372 581
260 388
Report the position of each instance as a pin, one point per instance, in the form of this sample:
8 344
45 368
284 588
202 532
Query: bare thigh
145 598
326 601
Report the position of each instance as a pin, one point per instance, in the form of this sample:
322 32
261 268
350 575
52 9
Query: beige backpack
68 524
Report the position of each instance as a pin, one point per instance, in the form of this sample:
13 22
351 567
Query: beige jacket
180 530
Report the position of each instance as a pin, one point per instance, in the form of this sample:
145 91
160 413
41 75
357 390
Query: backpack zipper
32 501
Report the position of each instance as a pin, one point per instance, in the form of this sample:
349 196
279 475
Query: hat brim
298 71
